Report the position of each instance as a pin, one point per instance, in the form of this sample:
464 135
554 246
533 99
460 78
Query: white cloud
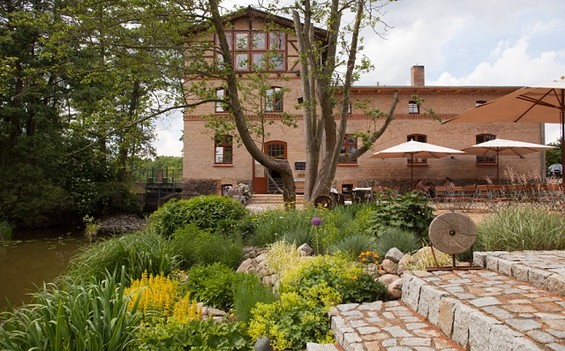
168 131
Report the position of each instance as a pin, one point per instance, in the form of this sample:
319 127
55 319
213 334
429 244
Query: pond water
26 263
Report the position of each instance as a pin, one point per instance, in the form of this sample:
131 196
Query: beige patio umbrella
415 149
535 104
503 147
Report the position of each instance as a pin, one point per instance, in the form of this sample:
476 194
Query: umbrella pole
562 118
497 168
411 169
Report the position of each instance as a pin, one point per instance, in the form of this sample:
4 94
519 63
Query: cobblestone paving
388 326
544 269
482 308
516 305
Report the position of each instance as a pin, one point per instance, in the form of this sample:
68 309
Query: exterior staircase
273 199
516 303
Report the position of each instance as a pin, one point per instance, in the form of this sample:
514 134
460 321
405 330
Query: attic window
254 50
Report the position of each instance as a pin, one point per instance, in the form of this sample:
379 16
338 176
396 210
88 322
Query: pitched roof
251 12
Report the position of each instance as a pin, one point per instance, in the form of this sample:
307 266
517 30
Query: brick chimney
417 76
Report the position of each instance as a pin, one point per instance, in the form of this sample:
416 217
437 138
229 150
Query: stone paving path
477 310
386 326
544 269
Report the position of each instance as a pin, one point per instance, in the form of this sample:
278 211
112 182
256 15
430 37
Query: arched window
481 138
276 149
223 149
274 100
423 139
413 107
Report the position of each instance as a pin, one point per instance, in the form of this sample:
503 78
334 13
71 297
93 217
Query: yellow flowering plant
157 296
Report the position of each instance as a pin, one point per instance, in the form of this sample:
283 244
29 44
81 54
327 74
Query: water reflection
27 263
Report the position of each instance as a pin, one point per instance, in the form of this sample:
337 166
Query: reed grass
522 227
6 230
137 252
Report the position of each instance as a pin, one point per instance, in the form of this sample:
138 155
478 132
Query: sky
459 42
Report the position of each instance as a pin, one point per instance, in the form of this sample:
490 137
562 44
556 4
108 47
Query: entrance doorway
262 183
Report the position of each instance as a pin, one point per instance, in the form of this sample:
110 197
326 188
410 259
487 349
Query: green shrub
248 291
276 225
213 285
522 227
199 246
339 224
6 230
404 240
282 257
353 245
206 212
291 322
206 335
212 248
346 277
182 242
137 252
92 316
410 211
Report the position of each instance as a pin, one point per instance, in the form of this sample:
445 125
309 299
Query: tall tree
237 110
80 82
322 82
329 68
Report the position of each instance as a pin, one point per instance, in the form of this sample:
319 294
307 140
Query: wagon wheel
324 201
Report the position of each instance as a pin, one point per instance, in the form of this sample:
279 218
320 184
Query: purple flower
316 221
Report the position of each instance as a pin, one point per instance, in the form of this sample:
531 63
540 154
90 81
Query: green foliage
92 316
76 109
248 291
295 226
275 225
404 240
206 212
206 335
521 227
425 258
183 241
282 257
554 155
410 211
353 245
198 246
211 248
137 252
212 285
291 322
6 230
347 278
147 168
28 196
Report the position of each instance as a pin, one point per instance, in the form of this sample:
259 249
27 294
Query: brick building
252 33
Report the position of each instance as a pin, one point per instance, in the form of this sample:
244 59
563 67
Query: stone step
390 325
544 269
484 310
517 304
272 199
